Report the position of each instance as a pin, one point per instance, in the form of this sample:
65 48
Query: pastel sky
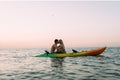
35 24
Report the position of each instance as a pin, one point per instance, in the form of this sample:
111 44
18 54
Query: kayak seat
46 52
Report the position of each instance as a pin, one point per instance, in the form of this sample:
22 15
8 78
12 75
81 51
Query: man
54 46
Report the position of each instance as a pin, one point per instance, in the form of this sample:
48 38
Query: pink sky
36 24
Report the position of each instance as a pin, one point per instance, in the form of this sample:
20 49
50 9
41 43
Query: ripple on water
21 65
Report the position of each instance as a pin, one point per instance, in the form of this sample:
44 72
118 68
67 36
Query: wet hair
56 40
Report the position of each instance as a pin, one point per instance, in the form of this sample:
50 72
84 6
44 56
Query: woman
61 47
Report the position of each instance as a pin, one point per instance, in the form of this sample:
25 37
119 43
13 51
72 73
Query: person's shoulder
53 45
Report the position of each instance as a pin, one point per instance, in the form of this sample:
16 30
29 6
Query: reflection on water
57 62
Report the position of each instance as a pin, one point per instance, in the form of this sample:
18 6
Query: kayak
94 52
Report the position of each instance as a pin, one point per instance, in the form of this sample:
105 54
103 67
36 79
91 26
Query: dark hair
56 40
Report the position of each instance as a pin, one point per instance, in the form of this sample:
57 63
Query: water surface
19 64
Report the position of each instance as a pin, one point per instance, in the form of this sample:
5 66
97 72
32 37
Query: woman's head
60 41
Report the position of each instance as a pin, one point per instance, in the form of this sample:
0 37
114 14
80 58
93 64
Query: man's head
56 41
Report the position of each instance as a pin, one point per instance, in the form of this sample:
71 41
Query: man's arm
52 49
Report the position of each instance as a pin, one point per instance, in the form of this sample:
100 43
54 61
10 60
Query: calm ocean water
19 64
